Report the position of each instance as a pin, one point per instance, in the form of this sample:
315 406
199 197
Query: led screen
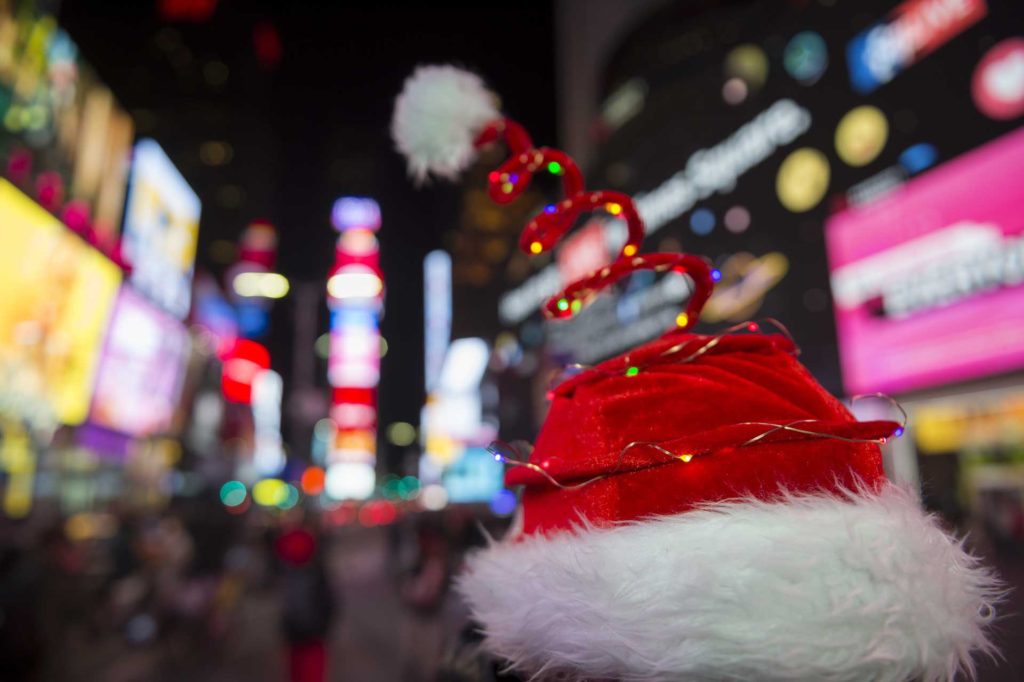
928 283
59 293
140 373
160 229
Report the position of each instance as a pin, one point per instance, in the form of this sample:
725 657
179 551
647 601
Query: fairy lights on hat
517 455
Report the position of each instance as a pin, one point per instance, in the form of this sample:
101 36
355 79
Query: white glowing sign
267 393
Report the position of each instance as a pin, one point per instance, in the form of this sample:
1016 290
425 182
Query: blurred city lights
737 219
233 493
355 213
805 57
401 434
270 492
350 480
861 135
260 284
802 179
504 503
355 282
434 497
312 480
702 221
734 91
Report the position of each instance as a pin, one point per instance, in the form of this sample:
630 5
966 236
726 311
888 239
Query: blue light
504 502
550 208
919 157
898 432
716 274
702 221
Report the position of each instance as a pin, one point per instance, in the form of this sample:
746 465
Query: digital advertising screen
751 133
60 293
141 368
65 140
928 282
160 230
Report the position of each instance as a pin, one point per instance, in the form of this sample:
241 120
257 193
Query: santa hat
700 508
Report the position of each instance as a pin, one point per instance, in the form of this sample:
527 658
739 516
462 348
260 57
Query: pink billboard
928 282
141 369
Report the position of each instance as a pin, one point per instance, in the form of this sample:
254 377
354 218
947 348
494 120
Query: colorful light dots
686 458
576 306
898 432
233 493
702 221
554 168
682 319
716 275
753 327
563 304
613 208
312 480
536 247
629 250
507 187
737 219
632 371
802 179
550 208
861 135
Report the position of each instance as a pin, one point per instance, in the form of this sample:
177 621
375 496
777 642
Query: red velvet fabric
692 408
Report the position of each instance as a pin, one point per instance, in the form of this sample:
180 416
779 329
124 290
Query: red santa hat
698 508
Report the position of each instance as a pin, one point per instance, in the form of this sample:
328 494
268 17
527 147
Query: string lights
517 454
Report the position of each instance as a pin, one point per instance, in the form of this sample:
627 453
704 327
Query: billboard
928 283
66 141
160 230
141 369
59 295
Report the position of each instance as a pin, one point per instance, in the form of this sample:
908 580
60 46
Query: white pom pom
437 116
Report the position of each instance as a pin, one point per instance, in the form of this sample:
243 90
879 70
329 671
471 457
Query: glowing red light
313 481
241 365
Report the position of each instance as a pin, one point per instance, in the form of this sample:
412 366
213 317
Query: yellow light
261 285
355 285
536 247
682 319
507 187
629 250
270 492
686 458
402 434
613 208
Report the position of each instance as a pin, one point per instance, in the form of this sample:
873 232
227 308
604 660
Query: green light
563 304
555 168
291 497
632 371
232 493
577 305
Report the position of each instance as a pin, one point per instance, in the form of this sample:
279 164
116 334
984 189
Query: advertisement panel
60 293
160 230
139 379
65 138
928 283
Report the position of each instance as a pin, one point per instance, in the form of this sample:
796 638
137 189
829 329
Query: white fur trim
437 116
838 589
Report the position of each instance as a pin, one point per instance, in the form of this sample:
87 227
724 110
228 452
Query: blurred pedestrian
308 603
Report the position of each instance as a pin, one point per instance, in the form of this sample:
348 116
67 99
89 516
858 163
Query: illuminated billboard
59 296
141 369
160 230
65 139
928 283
